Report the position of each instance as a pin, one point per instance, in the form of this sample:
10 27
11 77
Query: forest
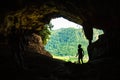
63 43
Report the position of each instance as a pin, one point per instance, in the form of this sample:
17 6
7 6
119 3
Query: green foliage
96 33
44 33
63 43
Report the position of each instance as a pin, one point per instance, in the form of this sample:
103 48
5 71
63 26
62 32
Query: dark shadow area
23 35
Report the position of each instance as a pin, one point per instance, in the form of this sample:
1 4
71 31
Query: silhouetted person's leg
78 59
81 61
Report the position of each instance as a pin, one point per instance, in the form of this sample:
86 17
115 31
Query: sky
63 23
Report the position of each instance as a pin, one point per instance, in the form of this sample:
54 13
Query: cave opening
65 37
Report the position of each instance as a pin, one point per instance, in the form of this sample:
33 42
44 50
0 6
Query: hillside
63 42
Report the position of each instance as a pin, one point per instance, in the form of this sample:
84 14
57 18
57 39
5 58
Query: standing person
80 54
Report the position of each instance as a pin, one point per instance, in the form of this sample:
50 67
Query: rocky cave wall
30 16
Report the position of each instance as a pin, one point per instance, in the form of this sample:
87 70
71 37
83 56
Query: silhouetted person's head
79 46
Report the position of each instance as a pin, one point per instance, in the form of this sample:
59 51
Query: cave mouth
65 37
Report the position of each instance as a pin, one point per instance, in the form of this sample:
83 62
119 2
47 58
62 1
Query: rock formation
19 18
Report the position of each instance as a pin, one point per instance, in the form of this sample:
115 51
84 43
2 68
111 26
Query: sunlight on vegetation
96 33
64 40
72 59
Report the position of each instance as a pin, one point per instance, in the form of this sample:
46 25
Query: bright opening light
63 42
63 23
64 46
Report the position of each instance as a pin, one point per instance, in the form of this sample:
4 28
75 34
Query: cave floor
45 68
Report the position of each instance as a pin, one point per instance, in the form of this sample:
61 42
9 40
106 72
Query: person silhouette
80 54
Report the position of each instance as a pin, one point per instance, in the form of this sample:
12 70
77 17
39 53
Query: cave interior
21 19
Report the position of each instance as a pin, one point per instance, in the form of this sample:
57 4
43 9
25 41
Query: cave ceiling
99 13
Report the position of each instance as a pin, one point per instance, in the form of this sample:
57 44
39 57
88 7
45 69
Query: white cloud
63 23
